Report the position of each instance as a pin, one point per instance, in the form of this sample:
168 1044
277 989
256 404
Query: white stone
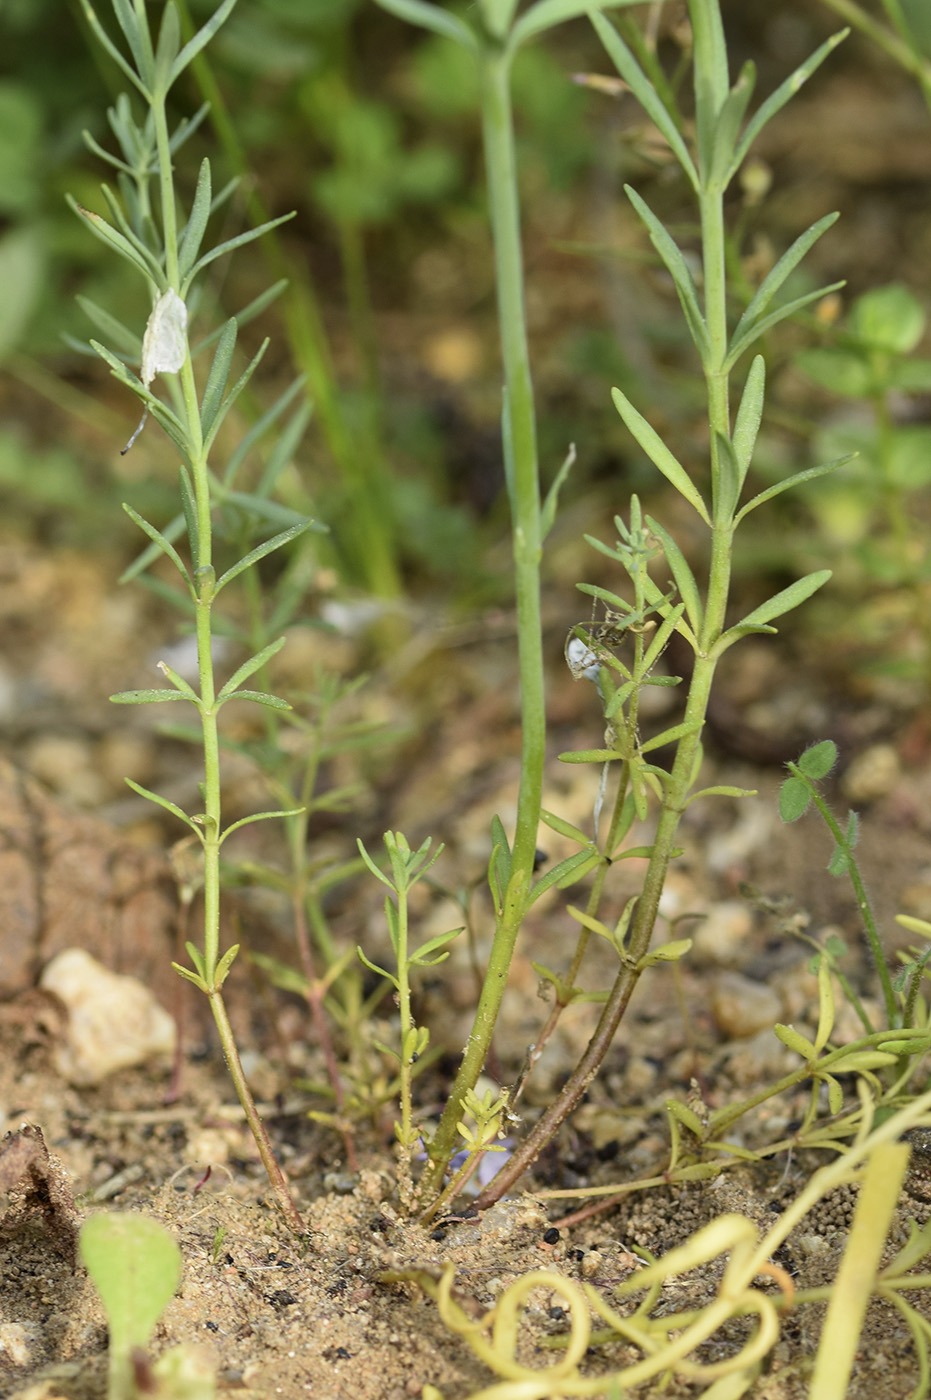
114 1022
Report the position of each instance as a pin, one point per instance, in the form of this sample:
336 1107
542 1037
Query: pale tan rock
722 936
114 1021
872 774
741 1006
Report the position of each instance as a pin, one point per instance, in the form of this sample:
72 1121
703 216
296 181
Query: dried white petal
164 344
581 660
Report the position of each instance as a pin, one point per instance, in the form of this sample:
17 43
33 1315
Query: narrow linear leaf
435 944
258 817
103 38
766 323
218 376
565 873
169 42
261 697
658 645
141 260
778 99
721 790
670 736
546 14
243 317
172 531
373 868
564 828
550 504
191 977
230 246
781 270
726 128
852 834
682 574
796 1041
727 482
250 666
144 697
137 37
259 428
500 841
282 454
224 965
184 689
203 36
431 17
189 507
666 952
172 425
227 403
678 270
159 540
645 92
260 551
590 756
809 474
787 599
373 967
171 807
749 416
659 453
125 340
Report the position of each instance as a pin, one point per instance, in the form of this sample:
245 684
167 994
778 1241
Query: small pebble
741 1007
14 1343
722 936
871 775
114 1022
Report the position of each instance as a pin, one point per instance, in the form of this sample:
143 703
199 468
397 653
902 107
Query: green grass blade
659 454
645 93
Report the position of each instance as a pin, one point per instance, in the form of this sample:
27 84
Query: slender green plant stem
708 79
204 583
253 1117
863 899
520 448
406 1136
359 462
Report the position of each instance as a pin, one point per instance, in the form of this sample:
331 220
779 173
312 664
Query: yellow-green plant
135 1265
668 1336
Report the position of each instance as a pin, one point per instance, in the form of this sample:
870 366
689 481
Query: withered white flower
164 345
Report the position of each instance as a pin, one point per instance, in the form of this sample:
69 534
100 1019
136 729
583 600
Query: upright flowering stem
520 451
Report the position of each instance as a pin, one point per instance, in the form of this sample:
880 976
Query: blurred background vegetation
368 129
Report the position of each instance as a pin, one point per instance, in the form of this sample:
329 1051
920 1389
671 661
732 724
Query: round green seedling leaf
794 798
889 318
818 760
136 1267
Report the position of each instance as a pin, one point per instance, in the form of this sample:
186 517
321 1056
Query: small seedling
135 1266
407 868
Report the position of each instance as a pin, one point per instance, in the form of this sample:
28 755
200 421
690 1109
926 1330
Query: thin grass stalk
707 58
520 448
